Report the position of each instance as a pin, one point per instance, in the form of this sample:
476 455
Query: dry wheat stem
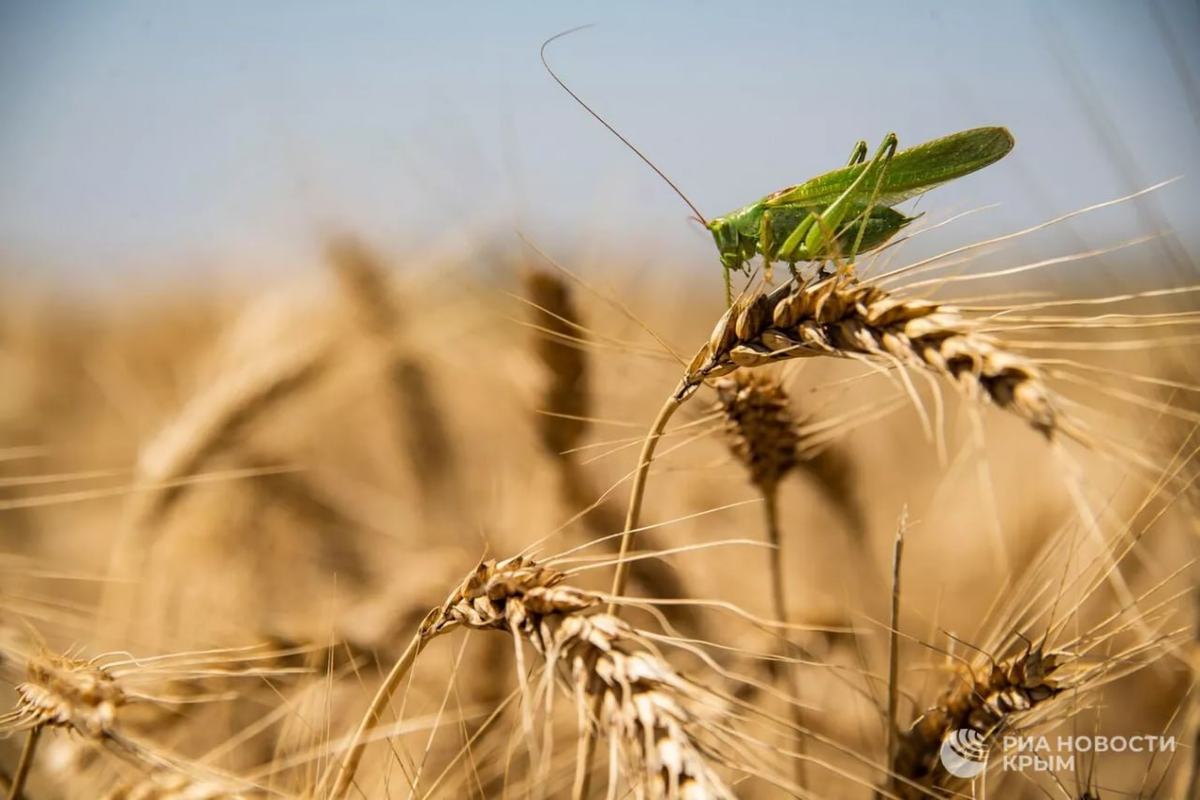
654 576
22 773
894 642
383 696
587 744
638 490
566 404
762 434
779 604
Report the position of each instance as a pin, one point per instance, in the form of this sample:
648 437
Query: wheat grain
766 436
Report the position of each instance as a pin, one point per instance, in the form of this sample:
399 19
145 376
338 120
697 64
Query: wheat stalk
761 432
563 421
17 784
842 317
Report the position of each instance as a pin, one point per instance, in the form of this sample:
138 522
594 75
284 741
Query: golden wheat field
355 534
372 424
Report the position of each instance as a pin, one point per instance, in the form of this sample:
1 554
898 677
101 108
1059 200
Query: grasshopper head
728 240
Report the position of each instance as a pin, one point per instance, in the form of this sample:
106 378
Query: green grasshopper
849 210
841 213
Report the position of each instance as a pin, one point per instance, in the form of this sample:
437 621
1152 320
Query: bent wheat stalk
564 420
844 318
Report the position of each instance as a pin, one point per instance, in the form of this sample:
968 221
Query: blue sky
164 135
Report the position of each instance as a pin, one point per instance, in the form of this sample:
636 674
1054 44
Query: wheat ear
841 317
645 707
981 703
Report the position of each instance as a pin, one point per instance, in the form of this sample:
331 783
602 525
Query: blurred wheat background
330 335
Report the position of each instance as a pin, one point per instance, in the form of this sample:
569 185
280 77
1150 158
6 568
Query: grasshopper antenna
611 129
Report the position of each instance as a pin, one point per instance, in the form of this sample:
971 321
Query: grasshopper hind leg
816 237
887 151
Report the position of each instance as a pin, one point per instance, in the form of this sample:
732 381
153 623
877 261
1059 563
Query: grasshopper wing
912 172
